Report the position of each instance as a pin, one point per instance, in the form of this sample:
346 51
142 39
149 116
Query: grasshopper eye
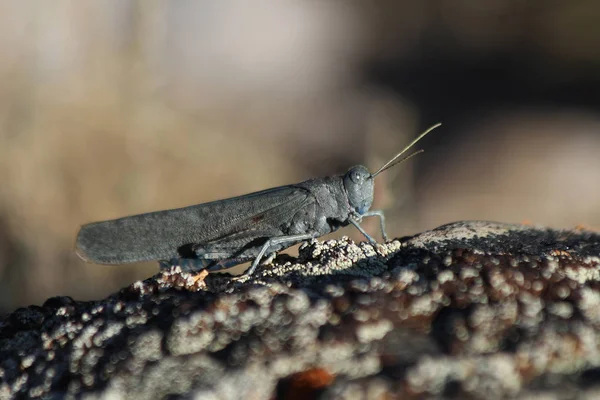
356 177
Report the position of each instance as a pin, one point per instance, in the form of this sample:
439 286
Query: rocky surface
469 310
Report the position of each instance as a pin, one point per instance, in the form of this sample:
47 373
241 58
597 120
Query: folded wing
159 235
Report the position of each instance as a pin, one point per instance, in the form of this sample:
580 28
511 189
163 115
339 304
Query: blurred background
116 107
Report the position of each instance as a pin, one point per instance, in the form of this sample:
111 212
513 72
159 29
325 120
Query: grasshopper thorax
358 183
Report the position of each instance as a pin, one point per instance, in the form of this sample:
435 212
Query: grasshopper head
358 183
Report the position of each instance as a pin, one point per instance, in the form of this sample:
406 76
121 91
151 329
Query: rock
474 310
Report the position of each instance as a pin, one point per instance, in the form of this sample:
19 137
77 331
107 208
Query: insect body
223 233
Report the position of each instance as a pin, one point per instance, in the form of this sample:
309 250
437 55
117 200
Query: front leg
355 220
378 213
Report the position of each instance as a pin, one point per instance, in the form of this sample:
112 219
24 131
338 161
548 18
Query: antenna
395 161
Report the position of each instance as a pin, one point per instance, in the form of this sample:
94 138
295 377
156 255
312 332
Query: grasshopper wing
159 235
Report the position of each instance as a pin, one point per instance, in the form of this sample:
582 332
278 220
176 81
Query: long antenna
411 155
393 162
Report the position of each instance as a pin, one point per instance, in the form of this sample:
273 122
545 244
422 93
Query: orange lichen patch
307 384
174 278
527 222
199 278
584 227
526 368
557 253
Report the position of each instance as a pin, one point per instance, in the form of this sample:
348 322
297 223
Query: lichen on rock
468 310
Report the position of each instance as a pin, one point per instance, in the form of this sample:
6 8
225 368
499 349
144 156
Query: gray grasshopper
223 233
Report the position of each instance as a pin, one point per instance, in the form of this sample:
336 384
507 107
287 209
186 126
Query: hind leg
273 242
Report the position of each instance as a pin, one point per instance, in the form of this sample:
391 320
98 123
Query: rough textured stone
468 310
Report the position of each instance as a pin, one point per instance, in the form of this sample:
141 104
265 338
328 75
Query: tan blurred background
114 107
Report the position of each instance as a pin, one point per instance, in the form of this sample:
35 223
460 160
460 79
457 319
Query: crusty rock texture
470 310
